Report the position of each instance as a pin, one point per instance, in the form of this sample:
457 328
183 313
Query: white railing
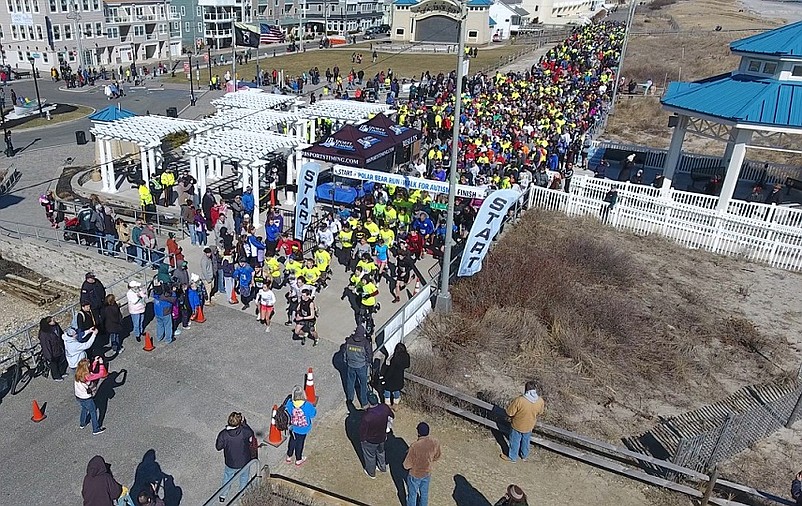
406 319
758 232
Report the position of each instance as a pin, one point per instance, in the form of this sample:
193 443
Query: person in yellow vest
168 181
387 235
372 230
322 263
310 272
276 271
367 292
145 197
345 240
367 264
390 215
293 267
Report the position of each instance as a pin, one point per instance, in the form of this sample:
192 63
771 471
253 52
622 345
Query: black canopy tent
405 138
352 147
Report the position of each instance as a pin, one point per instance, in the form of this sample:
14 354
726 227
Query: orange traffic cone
274 435
199 315
272 197
233 299
417 287
38 415
311 396
148 343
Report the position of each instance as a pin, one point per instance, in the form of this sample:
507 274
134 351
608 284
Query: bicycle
23 373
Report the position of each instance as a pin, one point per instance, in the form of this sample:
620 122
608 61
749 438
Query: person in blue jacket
301 412
272 235
243 277
423 224
194 296
247 202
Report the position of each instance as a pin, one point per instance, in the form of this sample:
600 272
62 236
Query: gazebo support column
151 162
255 176
201 176
674 154
244 176
218 167
110 165
741 138
210 172
143 160
104 172
193 168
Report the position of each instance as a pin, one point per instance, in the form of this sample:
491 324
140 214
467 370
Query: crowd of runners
514 127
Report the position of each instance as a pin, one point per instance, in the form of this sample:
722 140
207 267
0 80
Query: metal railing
235 492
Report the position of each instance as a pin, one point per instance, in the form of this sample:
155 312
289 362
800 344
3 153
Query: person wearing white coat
75 350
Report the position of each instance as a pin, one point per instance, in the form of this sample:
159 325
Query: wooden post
711 483
795 412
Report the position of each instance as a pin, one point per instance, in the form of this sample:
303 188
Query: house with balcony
190 16
142 30
219 17
319 16
508 18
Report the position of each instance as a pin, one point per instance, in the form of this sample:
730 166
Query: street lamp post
191 87
6 137
36 85
443 303
209 61
75 15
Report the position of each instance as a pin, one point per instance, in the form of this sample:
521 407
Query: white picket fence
758 232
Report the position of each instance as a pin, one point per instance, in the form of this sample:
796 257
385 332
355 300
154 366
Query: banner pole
234 60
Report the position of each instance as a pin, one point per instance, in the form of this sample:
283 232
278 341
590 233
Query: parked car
370 33
383 29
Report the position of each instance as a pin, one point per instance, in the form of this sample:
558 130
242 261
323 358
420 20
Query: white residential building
508 19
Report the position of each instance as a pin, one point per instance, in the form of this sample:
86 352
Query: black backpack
283 416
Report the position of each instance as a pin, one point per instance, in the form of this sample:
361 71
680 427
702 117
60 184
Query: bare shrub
656 5
274 493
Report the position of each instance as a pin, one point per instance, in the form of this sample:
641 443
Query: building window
10 5
186 28
754 66
472 34
399 31
19 56
162 28
44 57
797 71
198 11
30 33
769 68
53 7
98 29
96 5
112 32
88 31
184 13
64 6
56 32
85 5
139 30
14 35
173 11
39 34
67 32
200 27
35 5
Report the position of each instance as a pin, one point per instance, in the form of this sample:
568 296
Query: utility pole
170 35
301 13
75 15
630 17
443 303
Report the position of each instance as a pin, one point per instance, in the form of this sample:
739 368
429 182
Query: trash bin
80 137
92 137
172 112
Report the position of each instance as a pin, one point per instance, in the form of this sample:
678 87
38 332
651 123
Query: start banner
485 227
409 182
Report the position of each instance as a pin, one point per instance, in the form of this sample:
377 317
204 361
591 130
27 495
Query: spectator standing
420 457
86 386
53 347
358 355
394 374
373 430
75 350
92 292
100 488
112 319
235 443
515 496
163 312
796 488
207 272
137 302
301 412
523 412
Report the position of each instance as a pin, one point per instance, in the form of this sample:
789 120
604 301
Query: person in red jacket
415 244
288 246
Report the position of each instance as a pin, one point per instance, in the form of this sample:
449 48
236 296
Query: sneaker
177 332
369 476
58 379
99 431
299 463
221 499
122 349
506 458
267 330
288 460
82 426
314 342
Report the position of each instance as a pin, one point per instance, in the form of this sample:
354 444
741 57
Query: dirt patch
618 329
470 472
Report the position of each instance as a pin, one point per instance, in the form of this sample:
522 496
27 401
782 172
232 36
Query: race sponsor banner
409 182
307 184
484 229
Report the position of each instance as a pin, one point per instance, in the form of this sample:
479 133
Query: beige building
559 11
436 21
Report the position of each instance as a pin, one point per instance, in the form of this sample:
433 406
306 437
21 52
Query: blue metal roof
480 3
492 22
111 113
405 2
783 41
741 98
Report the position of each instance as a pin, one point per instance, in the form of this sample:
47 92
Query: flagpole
234 62
258 74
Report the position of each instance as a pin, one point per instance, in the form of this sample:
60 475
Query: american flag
270 34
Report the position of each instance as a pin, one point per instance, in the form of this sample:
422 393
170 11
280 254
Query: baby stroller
72 228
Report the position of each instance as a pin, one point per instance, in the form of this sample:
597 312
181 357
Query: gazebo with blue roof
761 98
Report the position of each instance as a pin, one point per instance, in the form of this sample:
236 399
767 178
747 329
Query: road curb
58 124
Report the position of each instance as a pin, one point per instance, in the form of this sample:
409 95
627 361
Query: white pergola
267 121
249 149
346 111
255 100
146 132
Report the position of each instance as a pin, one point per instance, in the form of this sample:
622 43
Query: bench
20 74
705 174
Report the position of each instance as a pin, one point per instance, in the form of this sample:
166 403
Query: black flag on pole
246 35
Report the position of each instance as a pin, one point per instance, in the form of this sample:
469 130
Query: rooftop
783 41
